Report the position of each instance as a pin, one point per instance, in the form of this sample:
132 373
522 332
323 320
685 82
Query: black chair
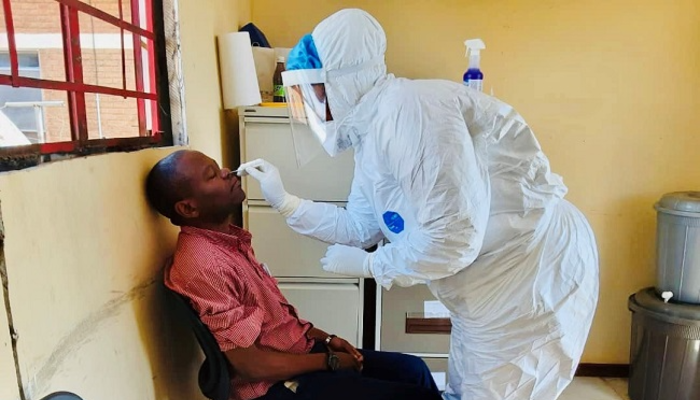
62 396
215 372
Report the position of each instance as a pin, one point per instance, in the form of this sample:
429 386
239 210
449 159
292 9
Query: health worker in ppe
457 183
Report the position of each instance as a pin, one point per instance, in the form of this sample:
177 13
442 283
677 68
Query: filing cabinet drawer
396 303
322 179
341 310
286 253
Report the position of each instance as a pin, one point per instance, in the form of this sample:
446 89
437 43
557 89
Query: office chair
215 372
62 396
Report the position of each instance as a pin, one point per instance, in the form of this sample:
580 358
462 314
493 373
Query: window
18 104
80 77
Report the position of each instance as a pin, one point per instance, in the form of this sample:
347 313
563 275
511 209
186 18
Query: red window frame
76 89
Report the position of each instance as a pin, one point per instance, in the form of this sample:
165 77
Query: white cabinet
333 308
331 302
266 134
395 305
287 253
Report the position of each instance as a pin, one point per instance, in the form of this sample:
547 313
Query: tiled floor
596 389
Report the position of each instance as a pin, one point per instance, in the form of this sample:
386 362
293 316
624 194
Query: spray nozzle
667 296
474 47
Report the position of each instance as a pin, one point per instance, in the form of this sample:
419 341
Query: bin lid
649 300
680 201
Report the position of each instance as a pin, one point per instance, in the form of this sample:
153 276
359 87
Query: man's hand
340 345
347 361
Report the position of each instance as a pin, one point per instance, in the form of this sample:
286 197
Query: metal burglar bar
75 87
70 29
121 40
99 14
10 27
70 86
138 62
155 120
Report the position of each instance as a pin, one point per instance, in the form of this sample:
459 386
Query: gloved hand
271 185
346 260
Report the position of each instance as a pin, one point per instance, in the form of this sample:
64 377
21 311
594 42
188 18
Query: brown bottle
277 87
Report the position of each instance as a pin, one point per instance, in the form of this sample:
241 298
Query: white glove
346 260
271 185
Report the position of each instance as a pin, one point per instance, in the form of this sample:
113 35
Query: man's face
297 98
320 92
215 193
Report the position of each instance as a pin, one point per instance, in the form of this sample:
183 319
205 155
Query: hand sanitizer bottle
473 77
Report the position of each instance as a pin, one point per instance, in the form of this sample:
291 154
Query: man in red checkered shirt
274 354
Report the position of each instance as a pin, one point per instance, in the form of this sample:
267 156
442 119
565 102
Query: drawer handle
428 325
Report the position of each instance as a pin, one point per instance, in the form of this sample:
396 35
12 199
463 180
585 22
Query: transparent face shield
309 113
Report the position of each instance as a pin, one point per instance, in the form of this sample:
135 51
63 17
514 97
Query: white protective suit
458 184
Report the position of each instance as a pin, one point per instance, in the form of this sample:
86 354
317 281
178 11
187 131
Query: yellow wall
83 251
8 377
209 127
612 90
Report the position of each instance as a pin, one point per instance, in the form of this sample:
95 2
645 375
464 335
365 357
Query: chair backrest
215 372
62 396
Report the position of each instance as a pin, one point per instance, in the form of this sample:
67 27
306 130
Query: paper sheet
440 379
435 309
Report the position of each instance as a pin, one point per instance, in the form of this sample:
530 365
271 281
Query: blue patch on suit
393 221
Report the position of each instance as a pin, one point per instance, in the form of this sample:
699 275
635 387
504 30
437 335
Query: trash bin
678 246
665 349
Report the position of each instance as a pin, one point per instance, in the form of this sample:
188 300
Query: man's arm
336 344
317 334
253 364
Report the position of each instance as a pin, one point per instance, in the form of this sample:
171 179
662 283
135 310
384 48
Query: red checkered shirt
235 297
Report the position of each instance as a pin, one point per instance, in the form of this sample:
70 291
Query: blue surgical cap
304 55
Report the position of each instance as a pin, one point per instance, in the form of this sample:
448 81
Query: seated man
274 353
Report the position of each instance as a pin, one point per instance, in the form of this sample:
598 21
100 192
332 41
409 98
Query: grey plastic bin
678 246
665 349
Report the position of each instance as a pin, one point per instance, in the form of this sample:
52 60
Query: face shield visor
310 115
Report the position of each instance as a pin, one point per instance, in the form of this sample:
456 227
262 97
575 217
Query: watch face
333 362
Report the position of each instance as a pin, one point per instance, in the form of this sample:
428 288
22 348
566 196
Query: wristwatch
328 339
332 361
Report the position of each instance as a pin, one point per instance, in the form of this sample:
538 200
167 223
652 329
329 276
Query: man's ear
186 209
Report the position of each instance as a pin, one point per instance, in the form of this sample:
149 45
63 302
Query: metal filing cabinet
331 302
294 259
393 307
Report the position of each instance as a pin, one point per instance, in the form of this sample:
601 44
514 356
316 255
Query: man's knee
416 363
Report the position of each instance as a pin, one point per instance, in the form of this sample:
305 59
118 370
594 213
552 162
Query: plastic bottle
474 78
277 87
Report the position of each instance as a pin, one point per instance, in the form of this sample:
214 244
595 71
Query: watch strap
327 341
